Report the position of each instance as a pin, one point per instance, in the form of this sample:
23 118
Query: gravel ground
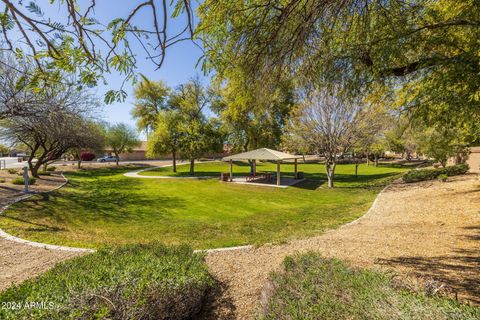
427 230
20 261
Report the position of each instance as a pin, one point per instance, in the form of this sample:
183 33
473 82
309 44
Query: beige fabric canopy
263 154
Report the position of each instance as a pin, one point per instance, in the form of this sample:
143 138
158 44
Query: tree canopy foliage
121 138
82 44
151 97
425 52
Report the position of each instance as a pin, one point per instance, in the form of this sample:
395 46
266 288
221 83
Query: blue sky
178 67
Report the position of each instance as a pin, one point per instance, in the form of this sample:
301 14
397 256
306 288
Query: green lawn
103 207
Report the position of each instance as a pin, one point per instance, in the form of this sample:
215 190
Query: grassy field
103 207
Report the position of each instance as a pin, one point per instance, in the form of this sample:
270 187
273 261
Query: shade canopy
262 154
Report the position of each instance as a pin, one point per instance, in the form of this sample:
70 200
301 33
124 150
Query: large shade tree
426 52
167 137
199 134
57 126
253 114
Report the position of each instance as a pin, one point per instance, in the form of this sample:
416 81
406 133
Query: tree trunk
303 156
192 167
116 158
174 161
376 159
443 163
356 168
45 166
330 168
368 159
34 169
79 163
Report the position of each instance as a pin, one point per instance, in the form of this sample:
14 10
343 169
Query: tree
78 41
426 52
440 144
47 137
3 149
93 139
151 98
121 138
328 122
253 114
167 137
56 122
16 96
198 133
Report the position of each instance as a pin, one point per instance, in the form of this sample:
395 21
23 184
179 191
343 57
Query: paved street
11 162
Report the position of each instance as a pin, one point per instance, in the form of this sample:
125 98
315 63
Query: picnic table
256 177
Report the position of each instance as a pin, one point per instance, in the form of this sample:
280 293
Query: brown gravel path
429 229
20 261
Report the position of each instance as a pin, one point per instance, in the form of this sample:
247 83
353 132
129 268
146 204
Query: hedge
431 174
312 287
142 281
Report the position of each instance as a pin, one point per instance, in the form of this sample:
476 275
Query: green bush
12 171
311 287
44 173
431 174
142 281
21 181
51 168
2 180
443 177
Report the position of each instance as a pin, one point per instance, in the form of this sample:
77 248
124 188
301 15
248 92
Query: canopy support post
231 170
278 173
296 171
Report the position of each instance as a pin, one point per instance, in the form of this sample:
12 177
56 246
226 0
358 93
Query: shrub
2 180
142 281
12 171
431 174
443 177
455 170
51 168
87 156
44 173
21 181
311 287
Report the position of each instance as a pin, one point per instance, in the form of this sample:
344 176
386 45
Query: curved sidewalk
136 174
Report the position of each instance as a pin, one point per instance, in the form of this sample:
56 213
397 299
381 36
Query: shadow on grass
309 184
38 227
460 270
106 200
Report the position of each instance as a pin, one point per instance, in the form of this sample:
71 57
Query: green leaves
115 95
35 8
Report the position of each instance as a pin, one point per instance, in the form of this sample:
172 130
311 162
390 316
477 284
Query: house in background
138 153
474 159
